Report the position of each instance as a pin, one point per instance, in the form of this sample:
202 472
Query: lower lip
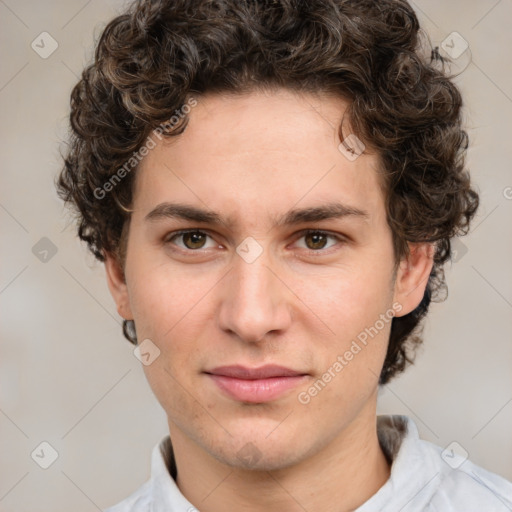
256 391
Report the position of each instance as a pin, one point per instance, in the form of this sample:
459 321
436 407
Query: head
326 153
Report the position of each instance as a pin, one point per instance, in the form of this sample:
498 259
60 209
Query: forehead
259 154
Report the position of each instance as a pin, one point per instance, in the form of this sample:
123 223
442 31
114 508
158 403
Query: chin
259 455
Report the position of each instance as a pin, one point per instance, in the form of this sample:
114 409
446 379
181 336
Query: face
290 285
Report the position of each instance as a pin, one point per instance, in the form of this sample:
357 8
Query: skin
300 304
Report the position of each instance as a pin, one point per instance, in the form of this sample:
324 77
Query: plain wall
67 375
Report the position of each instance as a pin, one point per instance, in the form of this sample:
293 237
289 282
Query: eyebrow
293 217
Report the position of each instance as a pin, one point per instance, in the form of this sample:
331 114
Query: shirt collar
165 494
398 437
413 471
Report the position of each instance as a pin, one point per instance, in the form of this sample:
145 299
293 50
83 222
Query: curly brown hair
150 59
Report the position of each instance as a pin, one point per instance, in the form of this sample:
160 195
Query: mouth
255 385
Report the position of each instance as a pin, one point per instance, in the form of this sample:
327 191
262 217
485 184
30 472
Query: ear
117 286
412 276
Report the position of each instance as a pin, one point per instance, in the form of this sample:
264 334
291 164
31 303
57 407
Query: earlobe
117 286
412 276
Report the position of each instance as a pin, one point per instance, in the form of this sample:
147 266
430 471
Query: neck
341 477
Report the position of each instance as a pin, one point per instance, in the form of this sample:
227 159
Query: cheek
173 391
163 299
348 300
356 305
171 309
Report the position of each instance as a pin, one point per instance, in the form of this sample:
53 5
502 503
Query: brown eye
316 240
191 240
194 240
319 242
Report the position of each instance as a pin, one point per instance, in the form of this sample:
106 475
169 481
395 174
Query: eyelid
341 239
297 236
176 234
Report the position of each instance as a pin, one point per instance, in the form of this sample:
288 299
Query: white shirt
424 478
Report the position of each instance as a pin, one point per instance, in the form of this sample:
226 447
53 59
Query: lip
255 385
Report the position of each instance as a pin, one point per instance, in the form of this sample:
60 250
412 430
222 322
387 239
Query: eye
195 240
316 240
192 239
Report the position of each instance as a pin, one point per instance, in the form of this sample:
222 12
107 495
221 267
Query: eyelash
177 234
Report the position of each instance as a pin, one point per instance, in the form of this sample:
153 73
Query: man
273 187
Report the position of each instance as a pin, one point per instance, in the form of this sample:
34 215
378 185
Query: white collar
398 436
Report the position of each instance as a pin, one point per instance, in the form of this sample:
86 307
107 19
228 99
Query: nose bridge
255 300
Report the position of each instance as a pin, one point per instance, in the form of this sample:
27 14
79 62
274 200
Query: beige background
67 375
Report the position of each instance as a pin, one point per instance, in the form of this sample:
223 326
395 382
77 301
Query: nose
255 300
